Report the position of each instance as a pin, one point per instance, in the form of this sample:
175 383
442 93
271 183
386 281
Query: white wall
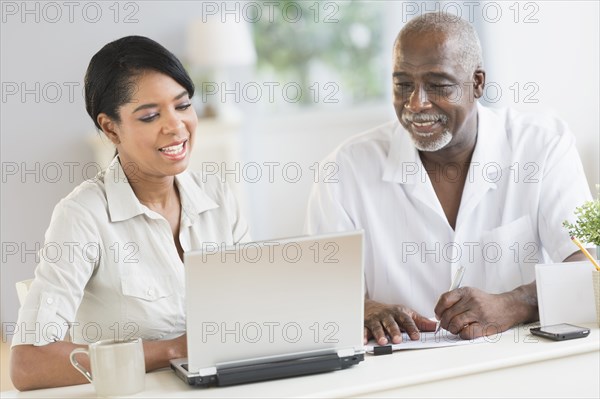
46 130
560 54
553 61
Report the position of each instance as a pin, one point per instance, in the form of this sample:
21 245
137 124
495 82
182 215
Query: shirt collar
123 203
194 200
403 164
492 152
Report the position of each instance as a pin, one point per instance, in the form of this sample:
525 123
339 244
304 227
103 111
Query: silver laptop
273 309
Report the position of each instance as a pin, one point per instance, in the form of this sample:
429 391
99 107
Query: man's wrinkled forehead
430 51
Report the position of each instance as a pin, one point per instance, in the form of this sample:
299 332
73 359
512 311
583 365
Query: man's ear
109 128
478 82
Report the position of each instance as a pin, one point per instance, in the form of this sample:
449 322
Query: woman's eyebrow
153 105
183 93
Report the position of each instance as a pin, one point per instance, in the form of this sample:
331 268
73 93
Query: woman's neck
154 192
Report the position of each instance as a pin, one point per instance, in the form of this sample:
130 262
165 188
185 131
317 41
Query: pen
585 252
458 276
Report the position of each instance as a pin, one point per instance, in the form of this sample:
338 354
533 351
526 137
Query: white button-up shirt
109 268
524 180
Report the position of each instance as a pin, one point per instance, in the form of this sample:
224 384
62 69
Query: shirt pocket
148 288
150 305
510 253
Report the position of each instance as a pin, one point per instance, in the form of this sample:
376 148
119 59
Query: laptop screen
274 300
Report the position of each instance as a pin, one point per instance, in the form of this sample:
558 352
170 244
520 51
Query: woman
123 234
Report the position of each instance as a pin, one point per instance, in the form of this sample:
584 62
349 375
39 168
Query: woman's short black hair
111 74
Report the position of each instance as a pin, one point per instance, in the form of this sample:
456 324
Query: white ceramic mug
116 367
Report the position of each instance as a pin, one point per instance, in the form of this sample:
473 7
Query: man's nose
418 100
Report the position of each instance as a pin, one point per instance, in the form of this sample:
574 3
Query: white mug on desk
116 367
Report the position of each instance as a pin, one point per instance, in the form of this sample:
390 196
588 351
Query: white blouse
109 268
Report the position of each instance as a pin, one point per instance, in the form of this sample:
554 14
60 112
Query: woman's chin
181 167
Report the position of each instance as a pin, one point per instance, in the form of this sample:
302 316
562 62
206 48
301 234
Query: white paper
428 340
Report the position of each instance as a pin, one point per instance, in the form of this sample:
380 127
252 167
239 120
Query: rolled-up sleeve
71 252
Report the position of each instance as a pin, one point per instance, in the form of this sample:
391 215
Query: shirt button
49 301
150 292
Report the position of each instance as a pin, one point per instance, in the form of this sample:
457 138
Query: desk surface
512 364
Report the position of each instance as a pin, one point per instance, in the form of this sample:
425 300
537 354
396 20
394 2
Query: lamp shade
212 43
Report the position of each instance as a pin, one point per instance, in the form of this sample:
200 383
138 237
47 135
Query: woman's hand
48 366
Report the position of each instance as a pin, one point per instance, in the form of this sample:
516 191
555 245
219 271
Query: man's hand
471 313
382 319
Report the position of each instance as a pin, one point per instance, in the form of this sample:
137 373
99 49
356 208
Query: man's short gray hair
455 28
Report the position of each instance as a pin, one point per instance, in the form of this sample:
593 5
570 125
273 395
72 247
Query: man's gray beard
432 146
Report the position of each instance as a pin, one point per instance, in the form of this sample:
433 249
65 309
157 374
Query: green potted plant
587 226
587 229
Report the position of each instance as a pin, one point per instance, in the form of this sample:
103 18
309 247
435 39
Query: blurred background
279 85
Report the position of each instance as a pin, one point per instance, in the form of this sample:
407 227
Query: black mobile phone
561 332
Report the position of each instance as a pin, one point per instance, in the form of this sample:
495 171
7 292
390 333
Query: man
451 183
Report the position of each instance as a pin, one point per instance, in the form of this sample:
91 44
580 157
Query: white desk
516 364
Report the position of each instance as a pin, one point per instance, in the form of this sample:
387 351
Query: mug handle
77 365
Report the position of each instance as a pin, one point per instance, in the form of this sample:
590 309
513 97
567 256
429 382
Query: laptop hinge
281 369
346 352
207 371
